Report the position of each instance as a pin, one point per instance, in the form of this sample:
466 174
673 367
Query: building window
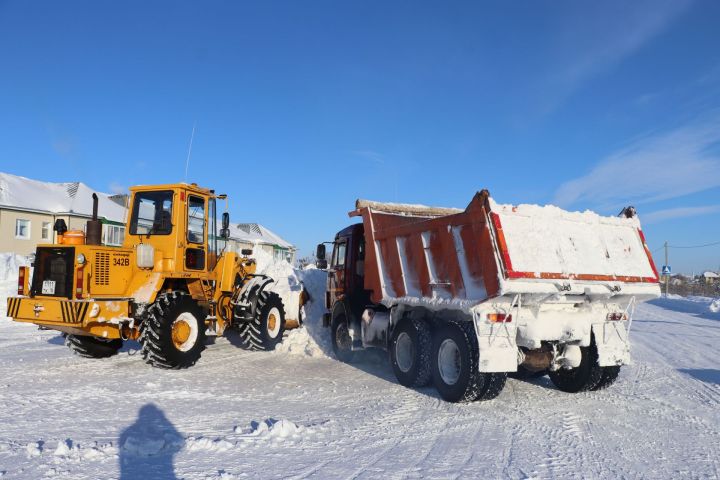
114 235
46 230
22 228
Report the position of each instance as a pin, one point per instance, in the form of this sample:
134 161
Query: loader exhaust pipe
94 226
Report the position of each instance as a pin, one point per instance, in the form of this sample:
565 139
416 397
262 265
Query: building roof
256 233
74 198
711 275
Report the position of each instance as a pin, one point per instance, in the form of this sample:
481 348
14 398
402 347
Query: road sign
666 270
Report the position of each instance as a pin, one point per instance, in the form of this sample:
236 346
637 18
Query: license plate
48 287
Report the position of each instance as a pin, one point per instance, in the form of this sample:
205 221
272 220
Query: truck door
336 272
195 252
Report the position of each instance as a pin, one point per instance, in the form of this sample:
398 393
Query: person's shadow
147 447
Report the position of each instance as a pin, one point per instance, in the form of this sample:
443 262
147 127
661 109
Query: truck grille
55 264
102 268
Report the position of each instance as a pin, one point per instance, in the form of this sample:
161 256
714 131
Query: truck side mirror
320 253
225 220
322 264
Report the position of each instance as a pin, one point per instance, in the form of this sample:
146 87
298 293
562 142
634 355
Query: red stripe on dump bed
502 245
649 255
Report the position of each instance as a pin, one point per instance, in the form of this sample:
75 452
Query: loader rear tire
92 347
610 374
410 352
583 378
173 334
455 366
265 330
341 339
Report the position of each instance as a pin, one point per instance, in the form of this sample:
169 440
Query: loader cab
346 267
178 222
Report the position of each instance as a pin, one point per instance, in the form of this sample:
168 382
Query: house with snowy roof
254 235
29 209
709 278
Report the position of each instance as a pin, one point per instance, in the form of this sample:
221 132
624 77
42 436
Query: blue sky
302 107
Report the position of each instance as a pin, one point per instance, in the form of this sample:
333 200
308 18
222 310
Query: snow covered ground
298 413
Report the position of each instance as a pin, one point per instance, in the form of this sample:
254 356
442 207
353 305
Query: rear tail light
616 316
22 272
79 283
499 318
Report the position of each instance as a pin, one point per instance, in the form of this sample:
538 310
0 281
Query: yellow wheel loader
167 286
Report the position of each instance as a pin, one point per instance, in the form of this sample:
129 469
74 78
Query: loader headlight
81 259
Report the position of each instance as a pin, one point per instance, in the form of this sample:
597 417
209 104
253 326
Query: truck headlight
81 259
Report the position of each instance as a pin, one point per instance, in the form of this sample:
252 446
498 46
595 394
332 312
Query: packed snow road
240 414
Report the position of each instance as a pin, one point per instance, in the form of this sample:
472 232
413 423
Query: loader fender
613 344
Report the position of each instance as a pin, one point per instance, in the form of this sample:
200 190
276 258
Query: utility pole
667 277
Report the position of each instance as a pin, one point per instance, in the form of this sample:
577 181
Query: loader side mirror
225 233
246 251
320 253
225 220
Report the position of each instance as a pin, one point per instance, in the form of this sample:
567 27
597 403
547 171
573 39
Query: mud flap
498 350
613 343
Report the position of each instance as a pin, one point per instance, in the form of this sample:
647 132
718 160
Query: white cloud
593 38
656 167
680 212
118 189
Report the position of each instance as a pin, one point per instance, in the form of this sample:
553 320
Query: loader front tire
92 347
266 328
410 352
173 334
341 339
455 366
585 377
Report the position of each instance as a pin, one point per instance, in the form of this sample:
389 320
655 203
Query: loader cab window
196 220
152 213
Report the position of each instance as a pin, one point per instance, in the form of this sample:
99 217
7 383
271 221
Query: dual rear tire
588 376
448 357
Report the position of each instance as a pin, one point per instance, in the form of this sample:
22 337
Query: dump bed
458 258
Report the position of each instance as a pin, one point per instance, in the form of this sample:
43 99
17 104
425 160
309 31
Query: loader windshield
152 213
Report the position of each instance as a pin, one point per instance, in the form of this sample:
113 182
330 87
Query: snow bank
715 306
272 429
9 265
311 339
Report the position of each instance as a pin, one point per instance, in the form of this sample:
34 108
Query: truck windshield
152 213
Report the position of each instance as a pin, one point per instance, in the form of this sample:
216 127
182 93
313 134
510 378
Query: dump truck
168 285
462 298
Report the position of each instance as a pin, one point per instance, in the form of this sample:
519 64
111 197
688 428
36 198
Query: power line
695 246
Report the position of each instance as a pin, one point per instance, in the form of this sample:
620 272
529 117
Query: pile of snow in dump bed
550 239
311 339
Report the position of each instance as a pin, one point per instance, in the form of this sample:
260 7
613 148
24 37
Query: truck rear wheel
610 374
410 351
585 377
455 366
266 328
341 339
173 335
92 347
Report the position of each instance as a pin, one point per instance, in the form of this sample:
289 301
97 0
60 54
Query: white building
254 235
29 208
